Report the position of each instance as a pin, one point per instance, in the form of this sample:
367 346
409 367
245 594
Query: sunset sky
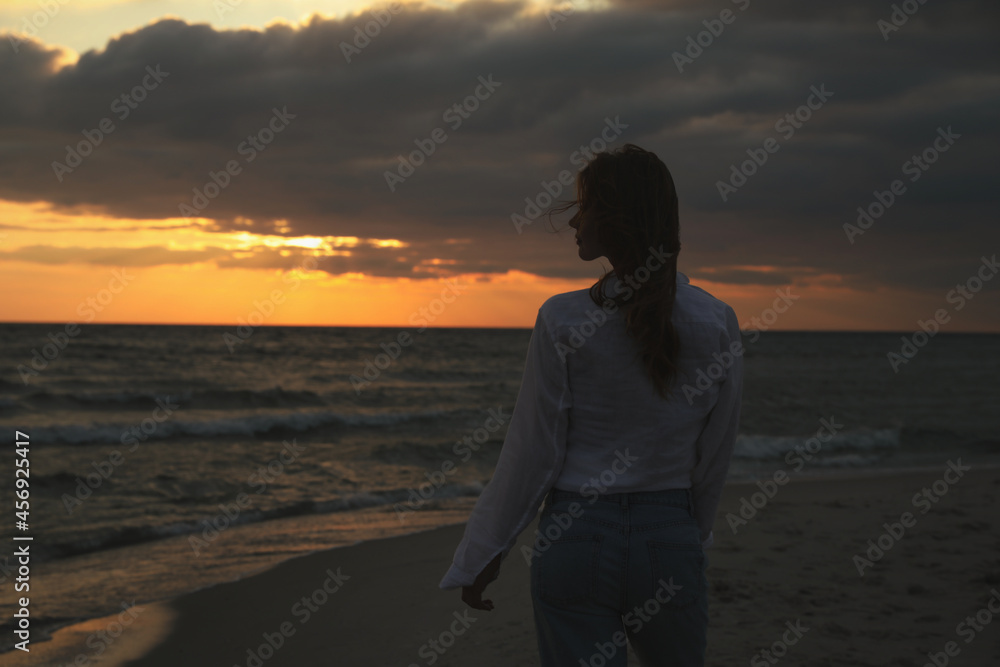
192 161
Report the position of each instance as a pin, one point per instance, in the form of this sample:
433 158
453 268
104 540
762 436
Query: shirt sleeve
530 461
715 444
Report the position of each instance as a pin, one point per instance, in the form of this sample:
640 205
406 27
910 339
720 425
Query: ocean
164 459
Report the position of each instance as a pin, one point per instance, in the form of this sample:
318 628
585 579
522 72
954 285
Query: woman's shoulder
569 307
695 304
565 299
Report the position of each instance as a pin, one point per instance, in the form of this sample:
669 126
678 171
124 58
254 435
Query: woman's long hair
635 201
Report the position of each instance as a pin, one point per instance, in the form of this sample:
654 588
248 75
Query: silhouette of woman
624 425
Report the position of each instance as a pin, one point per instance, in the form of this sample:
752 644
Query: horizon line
401 327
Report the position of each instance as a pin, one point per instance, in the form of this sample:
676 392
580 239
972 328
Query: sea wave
209 398
832 448
406 500
272 423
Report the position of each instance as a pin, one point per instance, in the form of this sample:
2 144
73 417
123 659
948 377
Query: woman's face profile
585 223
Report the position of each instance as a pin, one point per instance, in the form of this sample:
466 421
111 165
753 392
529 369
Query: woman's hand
473 595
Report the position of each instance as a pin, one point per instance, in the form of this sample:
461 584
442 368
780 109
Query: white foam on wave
766 447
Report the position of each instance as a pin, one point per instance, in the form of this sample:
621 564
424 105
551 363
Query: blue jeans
622 565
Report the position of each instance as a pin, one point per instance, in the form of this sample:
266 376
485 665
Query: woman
624 424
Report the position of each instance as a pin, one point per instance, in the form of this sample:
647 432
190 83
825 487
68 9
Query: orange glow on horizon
82 267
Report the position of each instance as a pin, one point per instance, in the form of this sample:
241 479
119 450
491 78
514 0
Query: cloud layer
299 139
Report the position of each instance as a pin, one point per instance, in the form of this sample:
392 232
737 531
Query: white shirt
588 419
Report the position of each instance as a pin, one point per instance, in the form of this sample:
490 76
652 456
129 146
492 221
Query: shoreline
752 588
226 561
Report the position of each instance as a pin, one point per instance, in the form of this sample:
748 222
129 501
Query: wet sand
929 581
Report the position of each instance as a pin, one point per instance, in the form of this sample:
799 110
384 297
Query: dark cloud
323 172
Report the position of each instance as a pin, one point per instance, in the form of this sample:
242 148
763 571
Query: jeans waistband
673 497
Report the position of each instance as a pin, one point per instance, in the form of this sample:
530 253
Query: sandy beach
797 579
